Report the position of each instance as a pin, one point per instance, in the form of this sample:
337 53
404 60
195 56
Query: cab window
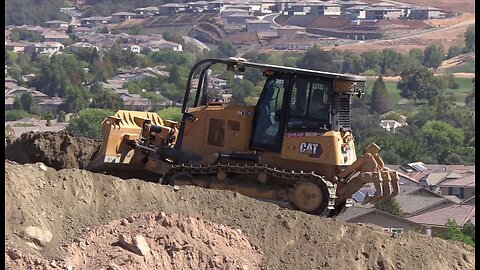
309 105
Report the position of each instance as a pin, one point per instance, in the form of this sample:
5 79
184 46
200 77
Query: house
290 32
370 215
470 201
137 104
230 11
412 204
7 34
463 188
258 26
82 30
425 12
81 45
171 8
382 13
356 12
130 47
436 220
298 8
53 104
156 45
118 17
433 179
93 21
196 7
146 10
247 8
57 24
326 9
239 18
391 125
216 5
113 84
55 36
20 46
46 48
29 77
9 103
352 3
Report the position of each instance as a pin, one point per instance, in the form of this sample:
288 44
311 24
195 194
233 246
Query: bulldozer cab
292 101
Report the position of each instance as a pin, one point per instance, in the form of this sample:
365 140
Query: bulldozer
295 145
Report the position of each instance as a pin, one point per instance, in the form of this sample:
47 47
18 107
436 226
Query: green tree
420 83
318 59
453 51
442 138
470 99
470 38
136 29
172 113
173 36
62 117
14 115
226 49
76 99
380 101
391 206
88 123
456 234
433 55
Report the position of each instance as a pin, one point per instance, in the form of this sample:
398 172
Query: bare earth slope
72 203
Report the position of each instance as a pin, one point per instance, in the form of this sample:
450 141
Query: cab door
269 116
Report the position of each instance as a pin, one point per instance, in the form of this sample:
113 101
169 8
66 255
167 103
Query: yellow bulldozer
295 145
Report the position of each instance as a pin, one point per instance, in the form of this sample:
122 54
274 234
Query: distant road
271 18
197 42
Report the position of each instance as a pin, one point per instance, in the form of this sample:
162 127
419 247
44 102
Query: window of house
386 229
457 191
396 230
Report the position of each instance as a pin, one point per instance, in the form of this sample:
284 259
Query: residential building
172 8
216 5
146 10
425 12
382 13
356 12
239 18
137 104
370 215
470 201
197 6
45 48
57 24
436 219
7 35
463 188
131 47
258 26
433 179
231 11
290 32
326 9
118 17
413 205
156 45
55 36
53 104
93 21
9 103
353 3
298 8
391 125
20 46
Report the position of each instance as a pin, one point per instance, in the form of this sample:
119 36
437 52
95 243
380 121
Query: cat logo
313 150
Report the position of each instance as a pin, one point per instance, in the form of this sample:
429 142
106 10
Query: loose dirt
58 150
84 212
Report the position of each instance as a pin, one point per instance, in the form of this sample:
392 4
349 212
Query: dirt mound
58 150
171 242
68 203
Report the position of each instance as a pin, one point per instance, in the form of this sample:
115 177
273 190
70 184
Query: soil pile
170 241
69 205
58 150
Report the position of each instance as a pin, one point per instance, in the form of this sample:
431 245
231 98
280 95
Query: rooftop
460 213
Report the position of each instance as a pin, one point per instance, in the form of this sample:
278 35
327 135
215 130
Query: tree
391 206
136 29
88 123
433 56
62 117
226 49
420 83
14 115
442 138
453 51
173 36
470 38
172 113
317 59
380 101
470 99
456 234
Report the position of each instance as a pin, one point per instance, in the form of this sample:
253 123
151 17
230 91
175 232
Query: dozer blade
114 152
